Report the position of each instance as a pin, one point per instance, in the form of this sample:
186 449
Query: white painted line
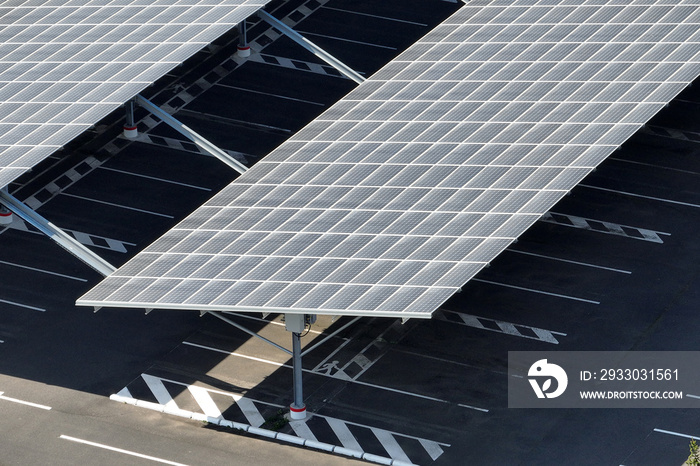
250 412
585 264
654 166
374 16
27 403
120 450
23 305
302 430
676 434
537 291
117 205
154 178
203 399
641 196
692 396
379 387
346 40
340 429
277 96
391 446
33 269
161 393
433 448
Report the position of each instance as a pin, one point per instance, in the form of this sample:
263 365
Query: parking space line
120 450
22 402
634 162
306 33
26 306
33 269
117 205
271 95
585 264
366 384
374 16
677 434
155 178
590 301
626 193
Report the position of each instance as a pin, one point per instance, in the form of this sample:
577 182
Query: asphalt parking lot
614 266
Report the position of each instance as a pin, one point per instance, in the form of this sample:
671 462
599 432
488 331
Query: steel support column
297 410
243 47
130 129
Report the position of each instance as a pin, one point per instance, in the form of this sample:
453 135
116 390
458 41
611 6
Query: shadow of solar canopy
399 194
65 65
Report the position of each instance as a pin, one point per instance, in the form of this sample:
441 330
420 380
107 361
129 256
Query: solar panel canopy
66 64
399 194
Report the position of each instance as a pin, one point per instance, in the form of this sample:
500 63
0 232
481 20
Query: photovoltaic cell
399 194
66 65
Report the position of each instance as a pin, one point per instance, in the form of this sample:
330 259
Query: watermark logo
544 371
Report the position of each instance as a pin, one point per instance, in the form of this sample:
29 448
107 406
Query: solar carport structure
395 197
66 64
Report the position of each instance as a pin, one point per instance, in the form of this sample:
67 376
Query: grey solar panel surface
64 65
399 194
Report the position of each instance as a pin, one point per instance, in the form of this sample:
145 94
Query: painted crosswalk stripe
250 412
201 396
390 444
159 391
341 430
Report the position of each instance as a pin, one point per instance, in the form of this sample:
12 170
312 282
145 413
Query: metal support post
297 410
295 324
130 129
243 47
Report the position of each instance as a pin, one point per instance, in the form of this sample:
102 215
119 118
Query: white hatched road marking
340 429
508 328
390 444
302 429
603 227
83 238
155 384
249 410
204 401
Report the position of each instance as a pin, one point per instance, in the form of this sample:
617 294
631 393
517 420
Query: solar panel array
64 65
399 194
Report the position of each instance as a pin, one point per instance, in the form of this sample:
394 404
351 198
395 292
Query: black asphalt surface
430 392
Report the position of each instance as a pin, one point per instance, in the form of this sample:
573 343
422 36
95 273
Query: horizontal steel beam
313 48
59 236
196 138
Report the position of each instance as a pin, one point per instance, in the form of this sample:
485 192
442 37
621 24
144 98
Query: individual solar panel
69 64
417 179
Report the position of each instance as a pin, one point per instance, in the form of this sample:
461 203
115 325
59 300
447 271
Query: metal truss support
59 236
294 323
169 120
313 48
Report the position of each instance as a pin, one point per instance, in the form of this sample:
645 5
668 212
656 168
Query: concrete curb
269 434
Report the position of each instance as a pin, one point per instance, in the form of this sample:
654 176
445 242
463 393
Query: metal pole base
297 413
131 132
243 51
